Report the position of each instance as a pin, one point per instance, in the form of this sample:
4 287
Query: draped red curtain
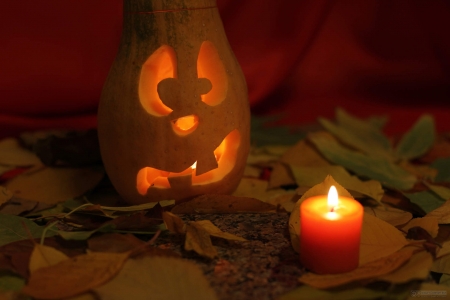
300 57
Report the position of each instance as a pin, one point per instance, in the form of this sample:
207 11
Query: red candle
330 233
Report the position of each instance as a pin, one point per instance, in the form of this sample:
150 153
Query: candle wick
332 209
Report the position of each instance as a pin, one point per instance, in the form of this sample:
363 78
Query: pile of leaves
65 233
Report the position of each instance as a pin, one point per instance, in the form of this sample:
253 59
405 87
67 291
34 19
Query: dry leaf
45 256
421 171
302 154
319 189
53 185
214 231
174 223
286 201
5 194
198 240
158 278
257 188
74 276
442 213
251 171
12 154
444 250
393 216
417 268
4 169
217 204
310 176
379 239
370 270
430 224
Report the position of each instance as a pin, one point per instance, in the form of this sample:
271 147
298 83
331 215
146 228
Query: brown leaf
370 270
214 231
430 224
420 171
158 278
13 154
378 239
198 240
217 204
257 188
45 256
18 253
392 215
74 276
302 154
53 185
442 213
417 268
16 206
174 223
440 149
5 194
76 148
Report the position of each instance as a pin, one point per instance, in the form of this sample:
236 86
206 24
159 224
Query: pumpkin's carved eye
159 86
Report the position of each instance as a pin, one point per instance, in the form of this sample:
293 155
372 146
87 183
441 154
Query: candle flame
332 198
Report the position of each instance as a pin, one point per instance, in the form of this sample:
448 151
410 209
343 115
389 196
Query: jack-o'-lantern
173 118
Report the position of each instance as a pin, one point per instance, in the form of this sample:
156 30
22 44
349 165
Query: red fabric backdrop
301 57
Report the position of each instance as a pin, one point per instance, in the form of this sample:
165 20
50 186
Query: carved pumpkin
173 118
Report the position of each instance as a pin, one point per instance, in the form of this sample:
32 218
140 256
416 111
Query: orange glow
160 65
210 66
185 125
225 153
333 199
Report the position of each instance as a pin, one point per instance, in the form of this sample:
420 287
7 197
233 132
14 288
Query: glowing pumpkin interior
161 65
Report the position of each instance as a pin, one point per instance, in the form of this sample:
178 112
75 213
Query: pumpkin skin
170 65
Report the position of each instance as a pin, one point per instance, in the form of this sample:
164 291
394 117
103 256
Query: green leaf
418 140
12 228
11 283
310 176
379 169
443 167
359 134
427 200
306 292
262 133
84 235
441 191
138 207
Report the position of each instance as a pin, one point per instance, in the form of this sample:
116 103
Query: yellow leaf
417 268
158 278
214 231
444 250
393 216
44 256
309 176
198 240
174 223
53 185
442 213
12 154
319 189
257 188
219 204
370 270
74 276
251 171
5 194
430 224
442 263
378 239
301 154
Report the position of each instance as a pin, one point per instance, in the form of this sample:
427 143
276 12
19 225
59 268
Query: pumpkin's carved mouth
225 154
